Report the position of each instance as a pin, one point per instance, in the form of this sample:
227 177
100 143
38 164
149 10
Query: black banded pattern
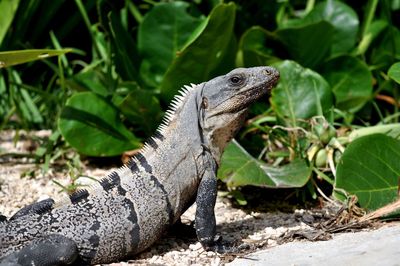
144 163
132 165
152 143
39 207
159 136
111 181
78 195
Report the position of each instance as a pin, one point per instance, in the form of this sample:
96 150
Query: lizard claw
220 248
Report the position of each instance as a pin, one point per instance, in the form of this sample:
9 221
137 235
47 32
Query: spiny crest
79 195
152 143
176 103
106 183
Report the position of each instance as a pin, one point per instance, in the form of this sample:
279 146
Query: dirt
247 229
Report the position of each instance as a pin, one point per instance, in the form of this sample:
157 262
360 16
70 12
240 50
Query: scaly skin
129 209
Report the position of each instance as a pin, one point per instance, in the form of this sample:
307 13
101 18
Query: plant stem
134 11
323 176
369 15
85 17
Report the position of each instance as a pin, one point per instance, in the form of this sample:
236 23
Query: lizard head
225 100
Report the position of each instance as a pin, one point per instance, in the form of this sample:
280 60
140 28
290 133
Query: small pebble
196 246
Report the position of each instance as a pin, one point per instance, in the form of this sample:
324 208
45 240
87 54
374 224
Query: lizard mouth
245 98
249 96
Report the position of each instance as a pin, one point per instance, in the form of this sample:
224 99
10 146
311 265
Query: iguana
129 209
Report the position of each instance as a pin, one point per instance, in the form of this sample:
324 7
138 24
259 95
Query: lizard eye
236 80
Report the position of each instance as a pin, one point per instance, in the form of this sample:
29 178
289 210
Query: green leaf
309 45
142 109
386 50
391 130
195 62
370 169
8 9
253 49
351 82
162 34
92 125
89 80
238 168
300 94
344 20
227 60
394 72
11 58
340 16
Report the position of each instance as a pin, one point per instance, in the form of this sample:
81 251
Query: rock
379 247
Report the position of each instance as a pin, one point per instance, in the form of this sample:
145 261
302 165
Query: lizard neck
218 137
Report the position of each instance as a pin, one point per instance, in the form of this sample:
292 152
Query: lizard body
126 211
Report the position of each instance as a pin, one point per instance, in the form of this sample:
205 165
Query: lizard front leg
205 217
205 222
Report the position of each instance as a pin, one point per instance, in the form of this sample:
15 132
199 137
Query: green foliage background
128 58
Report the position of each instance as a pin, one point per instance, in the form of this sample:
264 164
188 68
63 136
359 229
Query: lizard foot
222 248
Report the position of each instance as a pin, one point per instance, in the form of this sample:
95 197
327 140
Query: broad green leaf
142 109
344 20
351 82
11 58
253 49
126 56
310 44
162 34
239 168
300 94
370 169
92 125
89 79
394 72
200 57
8 9
340 16
227 60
